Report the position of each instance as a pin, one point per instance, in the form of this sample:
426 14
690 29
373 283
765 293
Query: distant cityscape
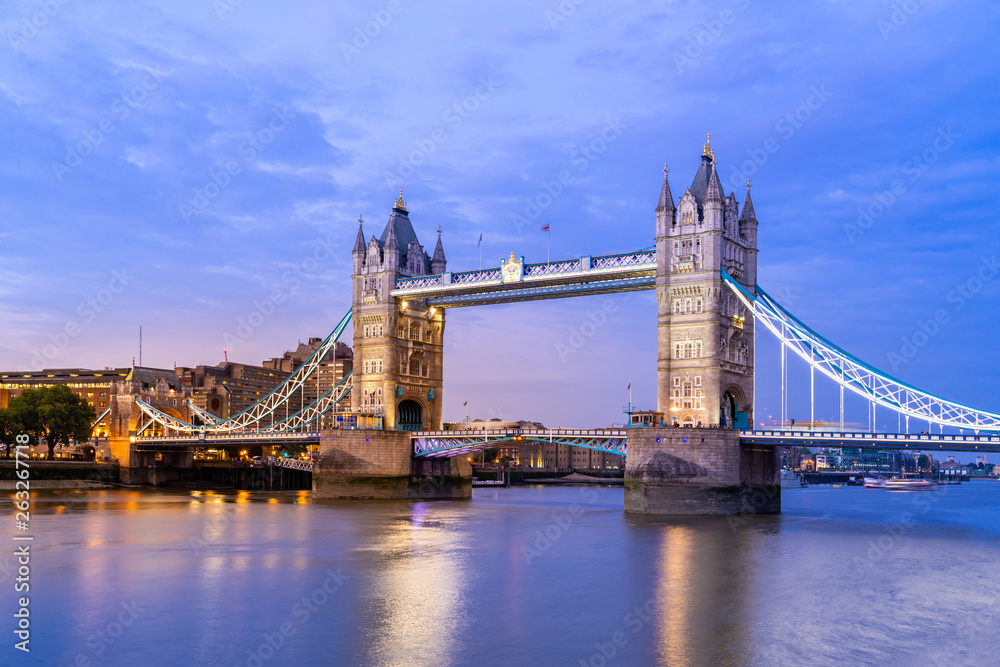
224 389
855 459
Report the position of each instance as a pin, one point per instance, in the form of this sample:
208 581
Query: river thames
522 576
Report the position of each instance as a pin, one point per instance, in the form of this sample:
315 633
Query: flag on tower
480 240
545 228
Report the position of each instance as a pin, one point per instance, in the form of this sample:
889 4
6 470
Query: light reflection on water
513 577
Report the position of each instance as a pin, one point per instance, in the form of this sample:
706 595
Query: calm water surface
520 576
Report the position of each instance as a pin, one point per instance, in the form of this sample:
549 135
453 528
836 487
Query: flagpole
548 244
480 252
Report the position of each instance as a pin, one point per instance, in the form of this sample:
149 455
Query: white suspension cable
854 374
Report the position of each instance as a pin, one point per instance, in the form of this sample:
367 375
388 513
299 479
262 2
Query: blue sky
176 165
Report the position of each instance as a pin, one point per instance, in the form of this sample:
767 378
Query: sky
190 166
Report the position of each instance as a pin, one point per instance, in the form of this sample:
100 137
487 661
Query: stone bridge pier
379 465
691 471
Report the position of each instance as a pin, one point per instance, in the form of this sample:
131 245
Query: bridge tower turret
748 231
705 369
398 346
438 262
359 247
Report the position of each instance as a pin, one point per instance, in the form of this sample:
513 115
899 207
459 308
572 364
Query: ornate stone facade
705 370
398 347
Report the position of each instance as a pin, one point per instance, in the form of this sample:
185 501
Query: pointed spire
666 202
359 243
390 240
438 249
748 212
714 191
708 147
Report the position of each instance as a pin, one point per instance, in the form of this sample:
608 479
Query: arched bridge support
379 465
692 471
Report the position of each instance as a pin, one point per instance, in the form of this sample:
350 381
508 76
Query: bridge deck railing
861 435
620 433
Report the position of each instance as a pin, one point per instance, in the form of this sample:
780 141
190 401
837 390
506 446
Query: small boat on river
901 484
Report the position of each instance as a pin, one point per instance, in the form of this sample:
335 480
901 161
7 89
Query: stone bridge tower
398 347
706 364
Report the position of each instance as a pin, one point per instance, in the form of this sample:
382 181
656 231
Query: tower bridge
703 269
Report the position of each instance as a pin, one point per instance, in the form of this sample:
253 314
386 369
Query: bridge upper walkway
604 274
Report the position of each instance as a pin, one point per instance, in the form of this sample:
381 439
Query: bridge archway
734 408
409 415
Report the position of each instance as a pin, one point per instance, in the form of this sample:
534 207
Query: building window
687 350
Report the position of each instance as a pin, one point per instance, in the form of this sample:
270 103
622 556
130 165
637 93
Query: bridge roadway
987 442
436 444
224 439
453 443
